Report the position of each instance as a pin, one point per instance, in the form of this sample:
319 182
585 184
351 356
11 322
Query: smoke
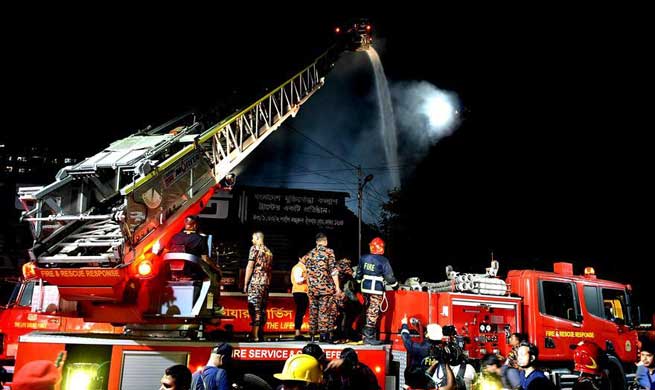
344 118
424 115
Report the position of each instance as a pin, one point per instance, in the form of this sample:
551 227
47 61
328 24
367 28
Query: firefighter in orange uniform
323 284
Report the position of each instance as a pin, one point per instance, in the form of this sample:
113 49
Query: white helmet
435 333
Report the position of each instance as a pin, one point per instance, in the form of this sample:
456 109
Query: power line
321 147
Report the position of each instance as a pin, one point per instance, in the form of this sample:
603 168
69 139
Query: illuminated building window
9 169
21 170
68 160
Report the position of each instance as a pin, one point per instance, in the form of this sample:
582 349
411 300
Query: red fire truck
34 305
101 230
555 310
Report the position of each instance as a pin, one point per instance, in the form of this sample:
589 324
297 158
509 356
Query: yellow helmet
301 367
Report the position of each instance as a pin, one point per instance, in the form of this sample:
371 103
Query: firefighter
258 279
419 353
373 271
323 284
191 242
300 372
347 306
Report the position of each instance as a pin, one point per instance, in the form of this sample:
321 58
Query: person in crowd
531 377
509 376
514 341
348 373
645 375
300 372
214 376
177 377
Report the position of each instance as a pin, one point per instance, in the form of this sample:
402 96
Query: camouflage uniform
321 265
373 272
347 307
259 282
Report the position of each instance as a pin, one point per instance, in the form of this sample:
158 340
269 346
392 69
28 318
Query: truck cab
561 309
35 305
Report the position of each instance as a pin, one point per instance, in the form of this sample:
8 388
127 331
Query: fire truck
34 305
101 234
555 310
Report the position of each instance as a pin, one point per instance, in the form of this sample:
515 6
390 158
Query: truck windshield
8 292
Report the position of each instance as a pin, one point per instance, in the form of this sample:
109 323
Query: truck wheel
616 375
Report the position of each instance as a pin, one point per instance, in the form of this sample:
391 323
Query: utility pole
360 190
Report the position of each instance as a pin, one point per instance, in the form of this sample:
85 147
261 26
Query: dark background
552 160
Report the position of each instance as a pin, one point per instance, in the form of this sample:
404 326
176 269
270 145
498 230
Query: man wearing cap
214 375
373 271
419 352
348 373
645 375
191 242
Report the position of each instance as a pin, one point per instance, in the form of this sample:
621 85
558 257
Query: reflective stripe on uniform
374 279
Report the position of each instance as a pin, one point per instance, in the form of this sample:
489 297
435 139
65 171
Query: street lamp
360 188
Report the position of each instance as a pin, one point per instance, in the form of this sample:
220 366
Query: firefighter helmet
377 246
587 357
434 332
301 367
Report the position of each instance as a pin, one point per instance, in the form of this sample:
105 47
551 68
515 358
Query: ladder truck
102 228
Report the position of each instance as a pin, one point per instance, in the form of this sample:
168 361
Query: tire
616 375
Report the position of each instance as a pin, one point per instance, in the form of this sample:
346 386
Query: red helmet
587 357
377 246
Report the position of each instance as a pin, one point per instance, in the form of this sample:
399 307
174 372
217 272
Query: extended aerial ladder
101 228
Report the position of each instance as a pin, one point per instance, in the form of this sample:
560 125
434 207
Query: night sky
550 161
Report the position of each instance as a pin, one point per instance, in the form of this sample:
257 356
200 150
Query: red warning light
144 268
337 30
